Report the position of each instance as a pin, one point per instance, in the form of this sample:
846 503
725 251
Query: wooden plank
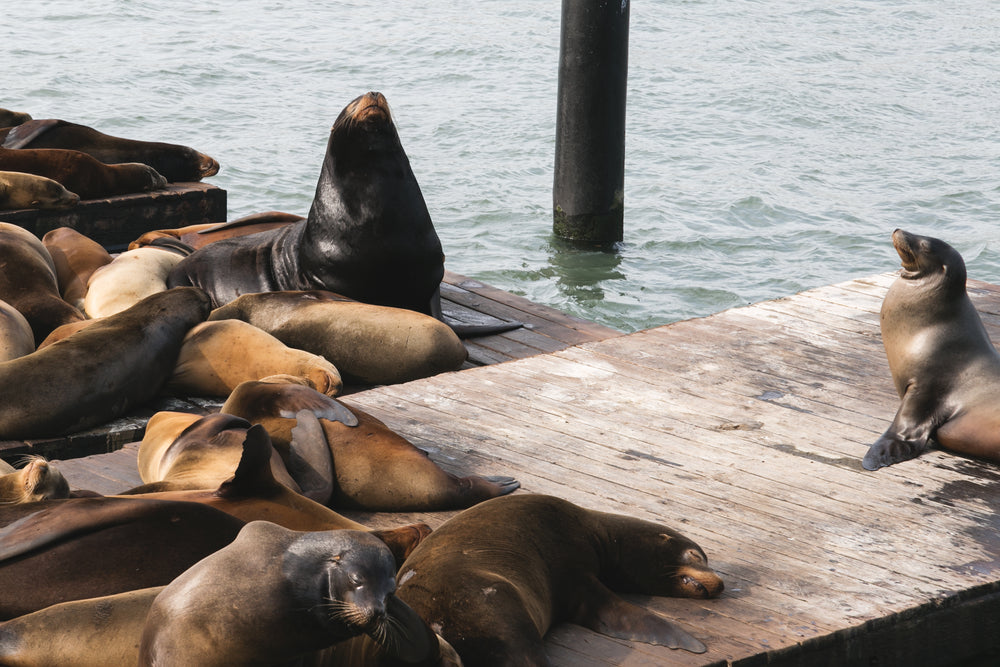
116 221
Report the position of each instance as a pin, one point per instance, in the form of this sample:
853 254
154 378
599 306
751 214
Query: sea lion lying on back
173 161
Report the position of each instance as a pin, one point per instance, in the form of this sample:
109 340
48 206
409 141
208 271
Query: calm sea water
772 146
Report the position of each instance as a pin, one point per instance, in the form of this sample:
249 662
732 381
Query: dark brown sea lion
197 236
494 579
275 595
374 468
946 370
173 161
36 480
218 356
368 344
16 337
76 257
53 551
10 118
19 190
368 235
81 173
100 372
28 282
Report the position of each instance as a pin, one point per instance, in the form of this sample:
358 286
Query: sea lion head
364 127
37 480
656 560
51 194
927 258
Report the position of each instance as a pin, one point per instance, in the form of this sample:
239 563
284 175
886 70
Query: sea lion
284 594
54 551
368 234
28 282
81 173
19 190
10 118
95 632
75 257
253 494
173 161
374 468
100 372
496 577
129 278
36 480
368 344
16 337
946 370
217 356
200 235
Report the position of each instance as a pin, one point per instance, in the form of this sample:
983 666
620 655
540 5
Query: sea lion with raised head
19 190
275 595
28 282
75 257
81 173
218 356
36 480
368 234
368 344
374 467
175 162
943 364
496 577
100 372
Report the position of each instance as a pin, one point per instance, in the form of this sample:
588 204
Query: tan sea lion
218 356
496 577
368 344
28 281
99 373
200 235
175 162
284 594
36 480
75 257
19 190
374 468
16 337
54 551
81 173
945 368
129 278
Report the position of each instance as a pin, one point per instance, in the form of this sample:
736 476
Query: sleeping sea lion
75 257
19 190
200 235
497 576
10 118
275 595
36 480
173 161
16 337
28 282
129 278
100 372
946 370
81 173
374 468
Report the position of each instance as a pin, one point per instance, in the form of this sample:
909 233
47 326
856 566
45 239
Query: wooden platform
743 430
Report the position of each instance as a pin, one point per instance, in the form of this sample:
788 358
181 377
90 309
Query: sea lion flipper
906 438
604 612
310 462
320 405
22 135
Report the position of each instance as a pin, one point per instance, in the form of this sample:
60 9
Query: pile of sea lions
53 164
236 551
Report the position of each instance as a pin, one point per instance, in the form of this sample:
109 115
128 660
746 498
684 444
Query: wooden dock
744 430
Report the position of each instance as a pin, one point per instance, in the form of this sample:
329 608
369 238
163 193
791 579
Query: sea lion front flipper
906 438
310 462
22 135
601 610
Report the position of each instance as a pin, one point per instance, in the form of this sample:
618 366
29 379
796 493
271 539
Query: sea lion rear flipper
604 612
22 135
310 462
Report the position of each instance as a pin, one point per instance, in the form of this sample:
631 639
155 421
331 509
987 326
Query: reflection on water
580 270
